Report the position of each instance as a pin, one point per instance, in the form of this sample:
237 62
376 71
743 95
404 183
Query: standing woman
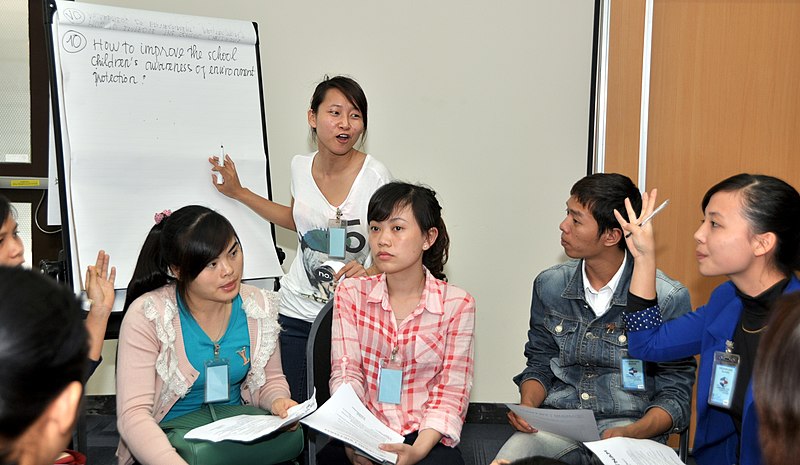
751 234
43 351
330 191
404 339
187 316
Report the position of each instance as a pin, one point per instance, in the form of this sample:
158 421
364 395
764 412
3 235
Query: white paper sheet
147 97
579 424
628 451
344 417
248 428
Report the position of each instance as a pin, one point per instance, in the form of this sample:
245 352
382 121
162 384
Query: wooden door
724 99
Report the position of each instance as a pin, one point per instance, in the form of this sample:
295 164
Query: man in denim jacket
577 335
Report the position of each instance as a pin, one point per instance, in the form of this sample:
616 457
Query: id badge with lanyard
337 236
631 370
217 370
632 373
390 379
723 381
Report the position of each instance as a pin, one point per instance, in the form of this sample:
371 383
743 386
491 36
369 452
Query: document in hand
577 424
248 428
629 451
580 425
344 417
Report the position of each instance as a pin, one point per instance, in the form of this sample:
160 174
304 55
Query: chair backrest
318 355
318 374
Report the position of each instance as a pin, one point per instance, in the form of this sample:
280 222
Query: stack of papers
248 428
580 425
345 418
629 451
577 424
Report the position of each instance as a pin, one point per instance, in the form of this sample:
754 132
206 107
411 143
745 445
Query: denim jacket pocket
616 341
564 332
428 349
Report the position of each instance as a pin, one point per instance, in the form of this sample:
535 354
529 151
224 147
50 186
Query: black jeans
293 354
333 454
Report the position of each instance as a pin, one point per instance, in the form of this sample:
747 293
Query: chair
683 443
318 374
683 446
683 440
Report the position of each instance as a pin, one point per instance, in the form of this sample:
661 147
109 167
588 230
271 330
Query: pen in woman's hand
650 216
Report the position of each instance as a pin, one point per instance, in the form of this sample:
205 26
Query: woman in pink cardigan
188 317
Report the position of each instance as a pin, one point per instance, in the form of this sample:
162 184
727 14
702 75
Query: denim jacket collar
574 289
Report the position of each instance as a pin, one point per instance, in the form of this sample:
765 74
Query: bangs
388 199
205 240
6 210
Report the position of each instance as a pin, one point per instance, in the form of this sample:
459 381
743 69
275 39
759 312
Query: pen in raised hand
650 216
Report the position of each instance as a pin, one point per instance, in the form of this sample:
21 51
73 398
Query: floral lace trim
266 336
174 383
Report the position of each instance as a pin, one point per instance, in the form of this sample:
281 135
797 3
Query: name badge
632 374
723 382
337 237
390 380
217 381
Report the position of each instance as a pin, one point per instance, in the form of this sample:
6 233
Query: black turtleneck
755 315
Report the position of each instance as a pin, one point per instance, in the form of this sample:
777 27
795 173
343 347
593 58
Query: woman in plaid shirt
404 339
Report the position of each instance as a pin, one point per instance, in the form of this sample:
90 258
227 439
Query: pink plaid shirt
434 348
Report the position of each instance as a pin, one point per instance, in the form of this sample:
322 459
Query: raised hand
231 187
638 236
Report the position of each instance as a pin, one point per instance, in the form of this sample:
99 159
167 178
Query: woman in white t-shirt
330 192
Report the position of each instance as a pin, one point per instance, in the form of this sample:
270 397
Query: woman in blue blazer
751 234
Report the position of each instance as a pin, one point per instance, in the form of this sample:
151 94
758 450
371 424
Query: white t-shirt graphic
309 282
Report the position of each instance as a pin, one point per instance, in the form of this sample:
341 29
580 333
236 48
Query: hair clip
159 217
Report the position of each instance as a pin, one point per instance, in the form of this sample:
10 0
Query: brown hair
775 380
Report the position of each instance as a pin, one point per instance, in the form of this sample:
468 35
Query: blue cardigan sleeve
651 339
674 379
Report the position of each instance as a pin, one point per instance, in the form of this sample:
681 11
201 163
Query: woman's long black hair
770 205
186 240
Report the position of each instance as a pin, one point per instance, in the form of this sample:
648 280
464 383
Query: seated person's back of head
43 361
777 373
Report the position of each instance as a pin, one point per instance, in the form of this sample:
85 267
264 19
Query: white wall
487 102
